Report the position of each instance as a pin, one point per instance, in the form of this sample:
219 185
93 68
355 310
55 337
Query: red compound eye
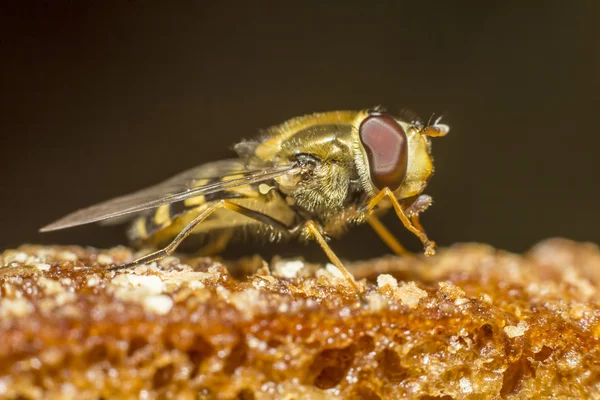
386 146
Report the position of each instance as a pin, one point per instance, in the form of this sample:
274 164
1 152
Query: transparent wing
230 174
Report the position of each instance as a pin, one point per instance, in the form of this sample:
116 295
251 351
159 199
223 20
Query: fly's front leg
412 209
429 245
416 207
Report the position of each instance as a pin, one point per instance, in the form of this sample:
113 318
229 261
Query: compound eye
386 146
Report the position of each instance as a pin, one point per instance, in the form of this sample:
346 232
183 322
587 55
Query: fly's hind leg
171 247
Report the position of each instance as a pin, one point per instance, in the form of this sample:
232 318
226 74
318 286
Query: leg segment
417 223
429 245
167 251
417 206
315 232
386 236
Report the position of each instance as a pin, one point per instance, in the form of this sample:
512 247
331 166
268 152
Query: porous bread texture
471 322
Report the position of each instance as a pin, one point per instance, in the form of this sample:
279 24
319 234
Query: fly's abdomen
148 225
166 222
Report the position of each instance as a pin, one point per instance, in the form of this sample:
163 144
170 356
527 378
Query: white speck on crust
291 268
195 285
66 281
571 360
248 302
42 266
19 257
64 298
384 280
176 279
146 290
50 286
583 285
578 311
93 280
486 298
104 259
461 301
376 302
159 304
152 283
5 383
465 385
516 331
67 256
283 308
15 307
409 294
451 291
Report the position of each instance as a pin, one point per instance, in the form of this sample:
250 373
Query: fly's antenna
431 119
436 129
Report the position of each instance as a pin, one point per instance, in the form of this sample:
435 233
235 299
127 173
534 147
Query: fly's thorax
322 145
391 153
304 131
325 192
322 188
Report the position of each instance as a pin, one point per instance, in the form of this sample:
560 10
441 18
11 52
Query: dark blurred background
102 98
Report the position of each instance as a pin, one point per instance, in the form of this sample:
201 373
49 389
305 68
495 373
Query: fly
309 178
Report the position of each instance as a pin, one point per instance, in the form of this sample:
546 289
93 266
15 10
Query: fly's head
393 153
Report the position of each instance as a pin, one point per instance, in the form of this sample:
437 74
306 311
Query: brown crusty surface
472 322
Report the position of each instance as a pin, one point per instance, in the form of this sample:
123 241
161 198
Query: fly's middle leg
315 233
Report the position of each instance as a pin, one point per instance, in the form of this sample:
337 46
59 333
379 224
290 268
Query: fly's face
394 154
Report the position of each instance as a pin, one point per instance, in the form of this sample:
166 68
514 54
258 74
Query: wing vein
173 190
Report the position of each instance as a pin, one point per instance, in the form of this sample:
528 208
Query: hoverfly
309 178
